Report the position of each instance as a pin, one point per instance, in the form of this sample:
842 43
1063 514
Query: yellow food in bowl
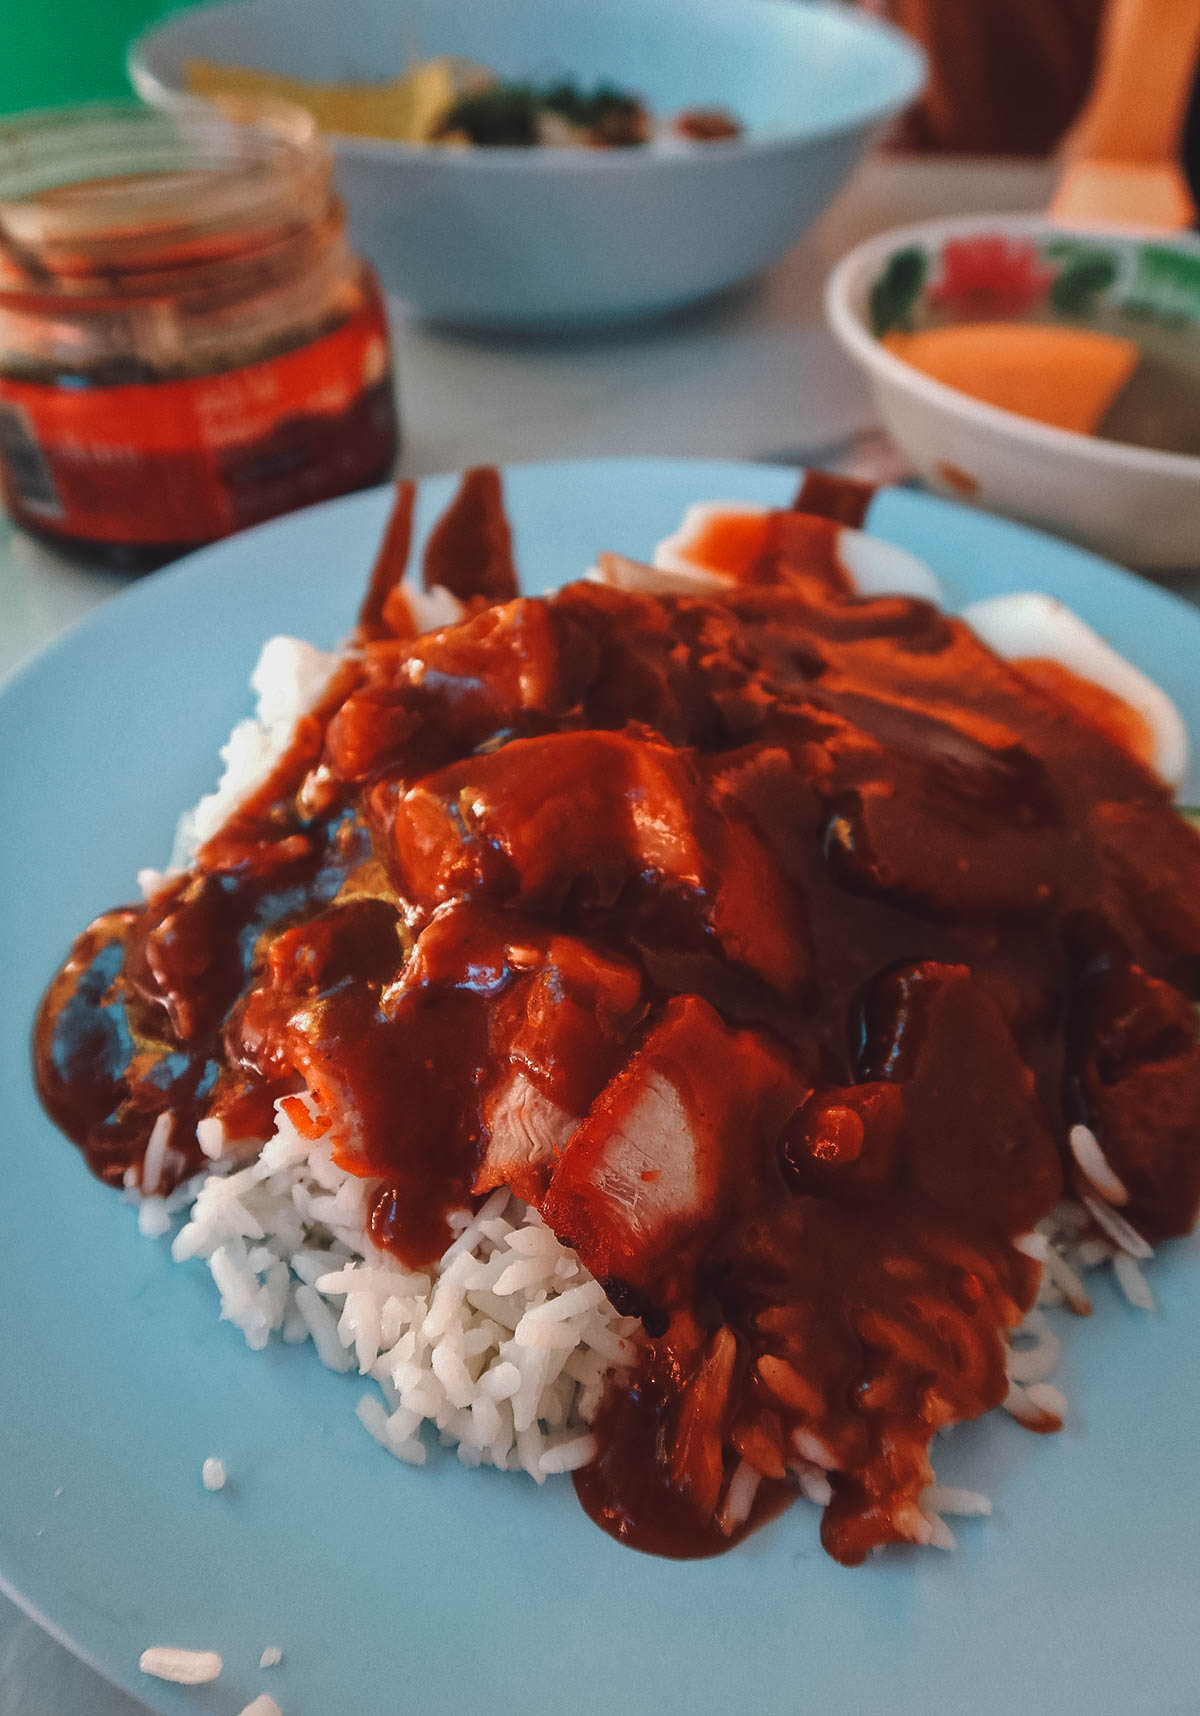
408 109
452 101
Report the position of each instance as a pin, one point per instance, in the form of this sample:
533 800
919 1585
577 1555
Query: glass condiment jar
188 345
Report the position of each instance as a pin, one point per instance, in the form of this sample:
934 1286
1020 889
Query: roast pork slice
428 699
657 1159
544 817
527 1133
573 820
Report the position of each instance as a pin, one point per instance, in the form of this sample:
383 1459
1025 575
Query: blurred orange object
1067 377
1125 148
1124 193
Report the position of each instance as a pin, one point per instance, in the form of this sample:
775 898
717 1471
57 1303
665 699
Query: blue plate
441 1591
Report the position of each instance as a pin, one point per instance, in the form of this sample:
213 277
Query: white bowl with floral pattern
1132 503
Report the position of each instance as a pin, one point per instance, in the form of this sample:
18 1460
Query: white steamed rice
503 1346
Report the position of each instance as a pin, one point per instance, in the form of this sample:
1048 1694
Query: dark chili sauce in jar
188 345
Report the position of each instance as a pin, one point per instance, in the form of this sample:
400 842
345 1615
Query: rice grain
182 1667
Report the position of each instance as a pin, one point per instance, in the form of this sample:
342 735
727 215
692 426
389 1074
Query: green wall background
55 51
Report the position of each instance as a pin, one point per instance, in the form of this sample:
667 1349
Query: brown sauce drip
390 563
769 945
845 500
470 550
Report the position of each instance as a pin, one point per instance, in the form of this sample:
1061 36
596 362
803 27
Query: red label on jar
188 461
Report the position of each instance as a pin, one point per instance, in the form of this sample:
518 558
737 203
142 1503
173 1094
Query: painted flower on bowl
990 275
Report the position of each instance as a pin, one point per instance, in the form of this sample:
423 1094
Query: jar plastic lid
115 185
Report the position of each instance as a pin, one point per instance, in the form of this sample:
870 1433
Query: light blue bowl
545 237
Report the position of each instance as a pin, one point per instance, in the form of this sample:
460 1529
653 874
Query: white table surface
754 376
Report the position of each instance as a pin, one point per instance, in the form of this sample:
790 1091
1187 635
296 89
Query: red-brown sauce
706 125
750 546
1124 725
769 945
846 500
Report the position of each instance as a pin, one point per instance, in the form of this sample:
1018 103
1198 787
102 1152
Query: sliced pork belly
543 817
652 1167
423 700
560 1028
576 819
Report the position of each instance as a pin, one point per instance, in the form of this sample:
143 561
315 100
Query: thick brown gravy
769 945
